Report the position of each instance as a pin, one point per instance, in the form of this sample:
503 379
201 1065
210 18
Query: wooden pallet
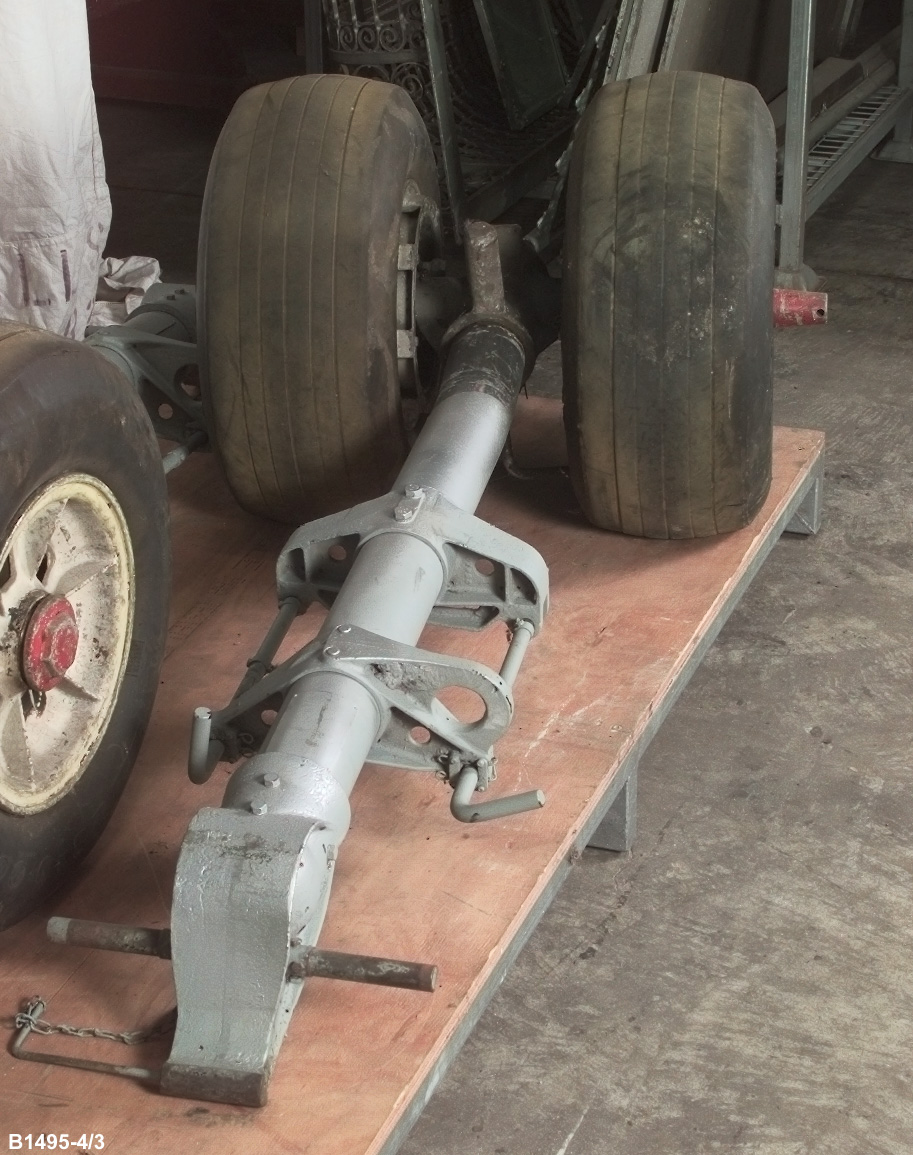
630 621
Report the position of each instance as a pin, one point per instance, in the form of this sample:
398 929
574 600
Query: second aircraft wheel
666 320
321 204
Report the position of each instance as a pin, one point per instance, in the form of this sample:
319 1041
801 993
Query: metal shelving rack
813 170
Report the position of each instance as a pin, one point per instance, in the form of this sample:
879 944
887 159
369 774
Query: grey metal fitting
464 809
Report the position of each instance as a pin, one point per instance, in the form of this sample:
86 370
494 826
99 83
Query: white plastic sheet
54 205
122 284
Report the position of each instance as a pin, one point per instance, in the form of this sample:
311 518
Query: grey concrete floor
741 981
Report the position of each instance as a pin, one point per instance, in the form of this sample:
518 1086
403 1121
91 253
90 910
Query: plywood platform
629 623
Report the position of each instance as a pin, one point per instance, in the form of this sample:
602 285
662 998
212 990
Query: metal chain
29 1018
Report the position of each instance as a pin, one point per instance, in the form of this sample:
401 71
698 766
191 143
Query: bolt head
50 643
270 778
413 491
257 808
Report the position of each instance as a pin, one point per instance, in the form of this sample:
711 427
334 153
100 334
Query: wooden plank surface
626 621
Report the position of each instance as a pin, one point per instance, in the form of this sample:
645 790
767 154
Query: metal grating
826 151
832 157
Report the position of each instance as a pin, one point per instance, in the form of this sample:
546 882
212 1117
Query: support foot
619 827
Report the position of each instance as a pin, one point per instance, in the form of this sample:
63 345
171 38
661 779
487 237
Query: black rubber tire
297 290
64 409
666 316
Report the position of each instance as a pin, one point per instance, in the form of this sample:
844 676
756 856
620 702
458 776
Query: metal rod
795 163
178 456
903 133
436 46
523 633
328 964
110 936
204 754
464 809
18 1051
362 968
313 36
486 281
205 751
259 664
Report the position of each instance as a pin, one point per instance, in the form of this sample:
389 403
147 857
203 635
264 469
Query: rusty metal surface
110 936
363 968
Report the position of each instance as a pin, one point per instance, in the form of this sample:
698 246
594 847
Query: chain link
29 1018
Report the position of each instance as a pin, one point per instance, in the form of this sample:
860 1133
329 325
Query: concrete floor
742 981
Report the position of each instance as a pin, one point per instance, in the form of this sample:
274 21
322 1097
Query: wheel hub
67 583
49 644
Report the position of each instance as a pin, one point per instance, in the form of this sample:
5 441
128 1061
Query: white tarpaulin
54 205
122 284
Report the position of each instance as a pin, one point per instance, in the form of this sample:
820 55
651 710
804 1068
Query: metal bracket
807 518
152 348
490 574
421 733
403 680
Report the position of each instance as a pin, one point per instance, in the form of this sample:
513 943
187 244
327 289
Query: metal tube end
360 968
204 754
57 929
464 809
109 936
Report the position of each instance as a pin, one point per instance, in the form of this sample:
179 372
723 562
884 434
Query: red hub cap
49 645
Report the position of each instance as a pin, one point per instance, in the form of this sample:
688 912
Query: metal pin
362 968
110 936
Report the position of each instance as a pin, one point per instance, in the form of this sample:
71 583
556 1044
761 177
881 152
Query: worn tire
666 316
298 278
69 419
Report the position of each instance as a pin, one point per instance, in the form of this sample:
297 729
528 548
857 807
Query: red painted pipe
799 307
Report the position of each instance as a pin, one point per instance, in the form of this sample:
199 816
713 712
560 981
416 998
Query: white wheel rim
71 541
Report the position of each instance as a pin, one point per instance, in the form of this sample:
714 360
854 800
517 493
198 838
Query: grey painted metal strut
790 271
253 879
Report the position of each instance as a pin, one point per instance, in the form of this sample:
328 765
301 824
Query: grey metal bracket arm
421 733
404 682
490 574
154 348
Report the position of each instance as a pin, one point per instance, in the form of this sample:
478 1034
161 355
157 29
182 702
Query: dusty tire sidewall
66 410
390 148
739 437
